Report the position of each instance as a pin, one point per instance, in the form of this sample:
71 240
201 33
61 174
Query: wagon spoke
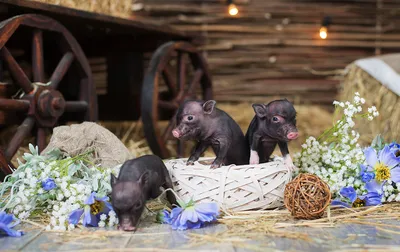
168 131
4 165
167 76
22 132
171 105
76 106
61 69
196 80
16 71
181 68
14 105
180 148
37 56
41 139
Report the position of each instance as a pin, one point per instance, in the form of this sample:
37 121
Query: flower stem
176 195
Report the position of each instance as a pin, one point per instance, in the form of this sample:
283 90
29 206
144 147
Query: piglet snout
127 228
176 133
292 135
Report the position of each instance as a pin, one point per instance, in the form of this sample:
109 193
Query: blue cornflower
6 225
48 184
94 207
372 198
384 164
395 148
365 175
192 216
163 217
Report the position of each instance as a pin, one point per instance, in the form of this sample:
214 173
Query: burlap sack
76 139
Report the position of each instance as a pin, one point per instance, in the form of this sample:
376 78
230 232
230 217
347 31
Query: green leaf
73 168
53 154
27 157
106 186
95 184
181 203
32 149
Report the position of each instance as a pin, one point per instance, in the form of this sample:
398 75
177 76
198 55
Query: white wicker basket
234 188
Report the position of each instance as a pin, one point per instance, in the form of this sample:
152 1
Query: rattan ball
307 196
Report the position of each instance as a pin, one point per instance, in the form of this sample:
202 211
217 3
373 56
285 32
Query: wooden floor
156 237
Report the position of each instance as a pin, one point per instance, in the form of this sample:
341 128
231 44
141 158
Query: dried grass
119 8
250 225
375 94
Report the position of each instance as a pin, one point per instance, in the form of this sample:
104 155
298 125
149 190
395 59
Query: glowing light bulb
233 10
323 32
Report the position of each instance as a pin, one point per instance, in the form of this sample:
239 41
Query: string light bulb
323 31
232 9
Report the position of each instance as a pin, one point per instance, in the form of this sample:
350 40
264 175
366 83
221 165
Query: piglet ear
208 106
144 178
113 180
260 110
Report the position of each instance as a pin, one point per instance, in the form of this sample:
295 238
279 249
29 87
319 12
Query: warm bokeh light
233 10
323 32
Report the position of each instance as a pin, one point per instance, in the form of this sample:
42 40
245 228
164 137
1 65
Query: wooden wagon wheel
157 102
41 106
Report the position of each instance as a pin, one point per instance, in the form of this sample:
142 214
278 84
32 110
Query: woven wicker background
234 188
120 8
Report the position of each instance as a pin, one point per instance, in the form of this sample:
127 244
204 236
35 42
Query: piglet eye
275 119
190 118
137 205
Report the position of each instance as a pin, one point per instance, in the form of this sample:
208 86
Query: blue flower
6 225
384 164
192 216
94 207
49 184
372 198
395 148
365 175
163 217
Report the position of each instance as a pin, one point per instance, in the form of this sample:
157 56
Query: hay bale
118 8
375 94
234 188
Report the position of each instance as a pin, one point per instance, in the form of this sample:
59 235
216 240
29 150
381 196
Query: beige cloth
385 69
76 139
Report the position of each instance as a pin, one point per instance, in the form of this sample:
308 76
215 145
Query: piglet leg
197 151
254 158
220 152
286 156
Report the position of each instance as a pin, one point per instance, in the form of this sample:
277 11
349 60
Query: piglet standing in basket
274 123
210 126
139 179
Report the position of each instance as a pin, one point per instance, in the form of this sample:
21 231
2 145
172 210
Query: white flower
102 224
362 100
111 213
103 217
60 196
370 118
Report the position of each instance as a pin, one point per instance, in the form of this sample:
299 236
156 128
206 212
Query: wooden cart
46 79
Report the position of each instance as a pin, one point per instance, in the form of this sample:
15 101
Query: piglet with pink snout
274 123
209 126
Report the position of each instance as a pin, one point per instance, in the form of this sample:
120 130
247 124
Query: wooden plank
18 243
123 25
